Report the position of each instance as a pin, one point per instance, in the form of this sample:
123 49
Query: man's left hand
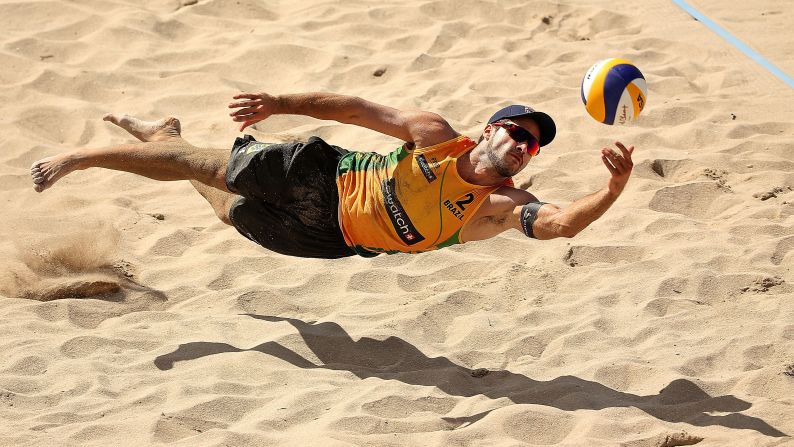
620 165
252 108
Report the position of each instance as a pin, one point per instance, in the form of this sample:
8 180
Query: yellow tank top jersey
408 201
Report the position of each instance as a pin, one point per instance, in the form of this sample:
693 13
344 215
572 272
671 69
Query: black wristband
528 214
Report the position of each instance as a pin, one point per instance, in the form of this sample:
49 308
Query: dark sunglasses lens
519 134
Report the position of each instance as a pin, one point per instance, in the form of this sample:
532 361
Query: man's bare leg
163 155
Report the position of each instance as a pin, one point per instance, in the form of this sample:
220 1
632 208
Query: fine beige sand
129 315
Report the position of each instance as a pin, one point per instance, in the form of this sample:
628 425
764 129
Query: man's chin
505 171
502 168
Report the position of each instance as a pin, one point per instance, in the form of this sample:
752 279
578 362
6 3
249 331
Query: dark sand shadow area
396 359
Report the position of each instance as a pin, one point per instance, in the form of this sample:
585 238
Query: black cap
547 127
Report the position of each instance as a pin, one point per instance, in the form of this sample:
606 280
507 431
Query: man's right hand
619 165
252 108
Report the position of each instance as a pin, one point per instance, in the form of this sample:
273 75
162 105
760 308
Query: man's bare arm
548 221
553 222
422 128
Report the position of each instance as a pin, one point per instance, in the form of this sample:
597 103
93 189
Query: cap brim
548 130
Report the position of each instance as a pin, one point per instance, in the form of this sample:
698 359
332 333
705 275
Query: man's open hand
252 108
620 165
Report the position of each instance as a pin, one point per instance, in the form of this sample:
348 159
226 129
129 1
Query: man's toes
39 184
126 122
170 126
173 122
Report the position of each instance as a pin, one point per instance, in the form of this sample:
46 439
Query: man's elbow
557 224
568 232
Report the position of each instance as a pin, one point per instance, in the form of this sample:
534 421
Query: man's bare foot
47 171
160 130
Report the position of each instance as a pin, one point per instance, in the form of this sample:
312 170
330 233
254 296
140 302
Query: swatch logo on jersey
402 224
425 167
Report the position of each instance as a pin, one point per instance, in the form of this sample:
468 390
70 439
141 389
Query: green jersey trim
453 240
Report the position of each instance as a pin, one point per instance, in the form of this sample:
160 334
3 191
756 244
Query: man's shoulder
429 129
504 199
510 192
455 146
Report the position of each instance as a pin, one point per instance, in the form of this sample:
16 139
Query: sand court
132 316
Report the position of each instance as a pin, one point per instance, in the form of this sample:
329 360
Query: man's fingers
617 161
246 124
246 95
245 111
623 149
250 117
235 105
626 152
609 165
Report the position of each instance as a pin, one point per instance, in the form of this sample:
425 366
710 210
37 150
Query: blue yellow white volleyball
614 91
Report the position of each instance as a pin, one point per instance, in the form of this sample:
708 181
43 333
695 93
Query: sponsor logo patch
425 167
255 147
399 219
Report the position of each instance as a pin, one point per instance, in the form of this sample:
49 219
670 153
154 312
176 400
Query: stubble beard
500 166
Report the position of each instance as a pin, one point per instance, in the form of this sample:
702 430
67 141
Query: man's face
508 156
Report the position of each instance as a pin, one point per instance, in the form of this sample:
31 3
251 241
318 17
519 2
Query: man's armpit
484 227
495 220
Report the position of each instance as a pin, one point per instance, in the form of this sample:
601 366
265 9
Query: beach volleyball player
314 199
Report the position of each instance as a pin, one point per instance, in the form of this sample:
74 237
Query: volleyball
614 91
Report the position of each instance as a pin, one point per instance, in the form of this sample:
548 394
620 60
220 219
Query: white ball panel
590 76
624 111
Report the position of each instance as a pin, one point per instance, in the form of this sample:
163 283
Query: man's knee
224 217
219 180
223 212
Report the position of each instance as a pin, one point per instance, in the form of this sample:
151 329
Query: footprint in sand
773 192
783 248
670 170
764 284
699 200
174 244
584 255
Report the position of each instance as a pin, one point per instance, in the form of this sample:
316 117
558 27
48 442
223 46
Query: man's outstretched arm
422 128
548 221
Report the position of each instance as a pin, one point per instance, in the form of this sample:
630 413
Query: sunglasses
521 135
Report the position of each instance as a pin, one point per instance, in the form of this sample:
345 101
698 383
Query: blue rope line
735 42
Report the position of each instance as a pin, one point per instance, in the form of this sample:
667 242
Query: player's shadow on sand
396 359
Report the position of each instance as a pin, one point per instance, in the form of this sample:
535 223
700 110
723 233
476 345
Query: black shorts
289 201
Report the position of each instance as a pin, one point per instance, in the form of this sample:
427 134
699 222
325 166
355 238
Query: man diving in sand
313 199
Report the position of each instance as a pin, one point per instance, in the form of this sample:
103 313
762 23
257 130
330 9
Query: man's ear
486 133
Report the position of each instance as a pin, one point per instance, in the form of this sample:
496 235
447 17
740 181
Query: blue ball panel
614 85
628 72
